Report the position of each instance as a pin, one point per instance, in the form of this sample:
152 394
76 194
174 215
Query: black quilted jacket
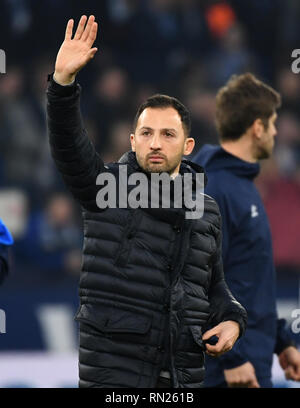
151 280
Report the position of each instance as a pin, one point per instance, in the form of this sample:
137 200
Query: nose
155 142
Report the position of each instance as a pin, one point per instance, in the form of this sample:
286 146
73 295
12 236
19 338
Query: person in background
245 118
6 240
50 249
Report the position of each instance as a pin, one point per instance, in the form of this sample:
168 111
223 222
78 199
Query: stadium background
185 48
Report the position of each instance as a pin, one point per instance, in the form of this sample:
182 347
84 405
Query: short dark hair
165 101
240 102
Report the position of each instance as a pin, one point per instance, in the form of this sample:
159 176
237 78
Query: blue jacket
248 263
5 241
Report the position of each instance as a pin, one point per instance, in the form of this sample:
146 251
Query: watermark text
2 322
2 62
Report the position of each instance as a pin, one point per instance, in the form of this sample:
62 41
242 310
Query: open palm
75 53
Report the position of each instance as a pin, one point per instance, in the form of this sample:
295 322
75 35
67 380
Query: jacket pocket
197 336
115 323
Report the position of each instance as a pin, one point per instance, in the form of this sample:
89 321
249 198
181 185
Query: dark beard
263 154
167 168
149 171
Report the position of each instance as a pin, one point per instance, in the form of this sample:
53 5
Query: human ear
132 141
189 145
258 128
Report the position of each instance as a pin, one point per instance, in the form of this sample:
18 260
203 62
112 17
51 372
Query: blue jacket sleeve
6 240
235 357
3 262
5 236
223 304
283 338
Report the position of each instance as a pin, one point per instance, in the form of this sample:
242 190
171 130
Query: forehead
160 118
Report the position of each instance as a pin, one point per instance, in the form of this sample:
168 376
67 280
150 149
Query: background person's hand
75 53
227 333
72 262
242 376
289 359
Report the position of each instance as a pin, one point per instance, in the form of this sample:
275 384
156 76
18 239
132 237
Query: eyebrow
149 128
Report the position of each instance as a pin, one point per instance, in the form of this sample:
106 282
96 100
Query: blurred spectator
20 134
282 201
110 102
220 17
261 21
119 139
46 178
289 27
151 37
197 39
279 184
201 104
232 56
288 142
288 85
50 249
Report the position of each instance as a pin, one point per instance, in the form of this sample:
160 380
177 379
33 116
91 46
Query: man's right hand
242 376
75 53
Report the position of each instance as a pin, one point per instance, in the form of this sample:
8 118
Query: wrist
61 90
282 346
288 349
63 80
233 361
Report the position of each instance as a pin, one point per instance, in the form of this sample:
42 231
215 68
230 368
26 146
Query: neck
175 172
241 148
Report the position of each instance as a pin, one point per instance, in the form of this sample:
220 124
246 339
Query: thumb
92 52
297 370
289 372
87 57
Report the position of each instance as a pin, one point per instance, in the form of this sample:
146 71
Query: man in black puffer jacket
152 279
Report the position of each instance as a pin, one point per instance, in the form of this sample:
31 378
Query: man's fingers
218 349
291 374
87 29
254 384
240 384
210 333
80 27
248 384
93 34
69 29
244 382
297 373
288 373
213 349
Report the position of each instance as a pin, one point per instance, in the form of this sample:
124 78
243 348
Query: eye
168 134
146 133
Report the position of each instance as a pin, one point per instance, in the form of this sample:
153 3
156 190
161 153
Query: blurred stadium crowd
184 48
